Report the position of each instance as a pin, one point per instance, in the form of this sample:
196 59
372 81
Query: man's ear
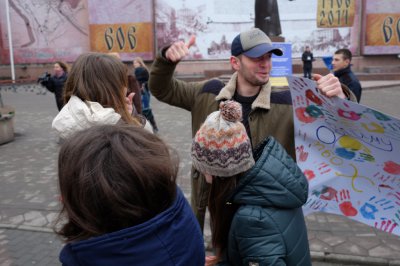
235 63
348 62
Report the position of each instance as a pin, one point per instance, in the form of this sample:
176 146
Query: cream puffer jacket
78 115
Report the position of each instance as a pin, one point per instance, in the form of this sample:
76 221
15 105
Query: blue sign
282 65
328 62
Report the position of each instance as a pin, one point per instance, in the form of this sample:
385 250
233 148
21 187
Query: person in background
255 207
142 76
55 83
267 111
95 94
307 59
342 69
120 201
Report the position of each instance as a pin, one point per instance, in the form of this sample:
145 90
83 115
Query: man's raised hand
329 85
178 50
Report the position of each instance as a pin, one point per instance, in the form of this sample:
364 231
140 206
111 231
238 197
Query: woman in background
55 83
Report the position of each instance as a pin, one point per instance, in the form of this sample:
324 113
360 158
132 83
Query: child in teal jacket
255 207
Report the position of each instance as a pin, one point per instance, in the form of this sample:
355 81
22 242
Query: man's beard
256 82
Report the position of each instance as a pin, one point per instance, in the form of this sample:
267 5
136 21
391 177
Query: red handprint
392 168
309 174
386 225
328 193
302 154
345 205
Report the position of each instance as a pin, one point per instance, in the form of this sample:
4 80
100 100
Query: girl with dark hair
55 83
120 201
95 94
255 199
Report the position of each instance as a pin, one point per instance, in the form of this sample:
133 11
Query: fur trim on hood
262 100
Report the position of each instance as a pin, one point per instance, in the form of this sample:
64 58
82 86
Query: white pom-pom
231 111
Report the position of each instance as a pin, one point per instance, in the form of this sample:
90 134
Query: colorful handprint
345 205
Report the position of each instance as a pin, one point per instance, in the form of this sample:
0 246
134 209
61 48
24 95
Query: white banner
351 156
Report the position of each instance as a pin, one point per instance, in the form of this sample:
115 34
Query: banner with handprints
350 155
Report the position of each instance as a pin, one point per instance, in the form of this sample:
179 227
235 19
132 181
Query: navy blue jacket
347 77
307 58
269 227
56 85
173 237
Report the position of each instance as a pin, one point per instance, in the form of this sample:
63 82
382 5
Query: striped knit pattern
221 147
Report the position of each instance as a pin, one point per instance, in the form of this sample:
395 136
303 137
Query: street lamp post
10 45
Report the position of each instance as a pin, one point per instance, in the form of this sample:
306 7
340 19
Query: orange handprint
345 205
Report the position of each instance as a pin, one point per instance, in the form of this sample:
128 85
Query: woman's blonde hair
101 78
140 61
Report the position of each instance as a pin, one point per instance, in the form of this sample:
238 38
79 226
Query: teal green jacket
269 227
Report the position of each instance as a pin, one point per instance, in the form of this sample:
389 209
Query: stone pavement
29 194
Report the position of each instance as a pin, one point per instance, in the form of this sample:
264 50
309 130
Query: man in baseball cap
253 43
266 111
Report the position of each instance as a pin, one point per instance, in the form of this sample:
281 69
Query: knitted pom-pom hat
221 146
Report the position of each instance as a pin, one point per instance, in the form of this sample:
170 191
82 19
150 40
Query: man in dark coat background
342 69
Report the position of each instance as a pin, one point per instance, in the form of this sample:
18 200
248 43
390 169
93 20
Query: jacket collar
343 71
262 100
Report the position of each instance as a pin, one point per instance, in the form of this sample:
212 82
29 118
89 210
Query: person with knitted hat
255 199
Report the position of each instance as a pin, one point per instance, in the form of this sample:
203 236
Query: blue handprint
368 211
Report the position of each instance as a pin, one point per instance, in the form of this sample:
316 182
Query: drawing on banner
350 156
45 31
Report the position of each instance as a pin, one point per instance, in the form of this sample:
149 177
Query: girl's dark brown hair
113 177
221 211
100 78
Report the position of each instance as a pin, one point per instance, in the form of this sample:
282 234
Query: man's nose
266 62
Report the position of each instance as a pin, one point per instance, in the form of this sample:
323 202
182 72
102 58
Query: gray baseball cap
253 43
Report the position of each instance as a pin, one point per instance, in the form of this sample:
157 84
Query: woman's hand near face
129 101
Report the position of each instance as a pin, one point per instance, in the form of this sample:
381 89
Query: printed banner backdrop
332 14
124 27
216 22
350 155
382 30
44 31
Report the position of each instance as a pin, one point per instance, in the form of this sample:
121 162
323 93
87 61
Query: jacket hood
141 74
274 181
173 237
77 115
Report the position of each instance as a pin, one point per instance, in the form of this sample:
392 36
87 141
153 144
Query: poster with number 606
350 155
